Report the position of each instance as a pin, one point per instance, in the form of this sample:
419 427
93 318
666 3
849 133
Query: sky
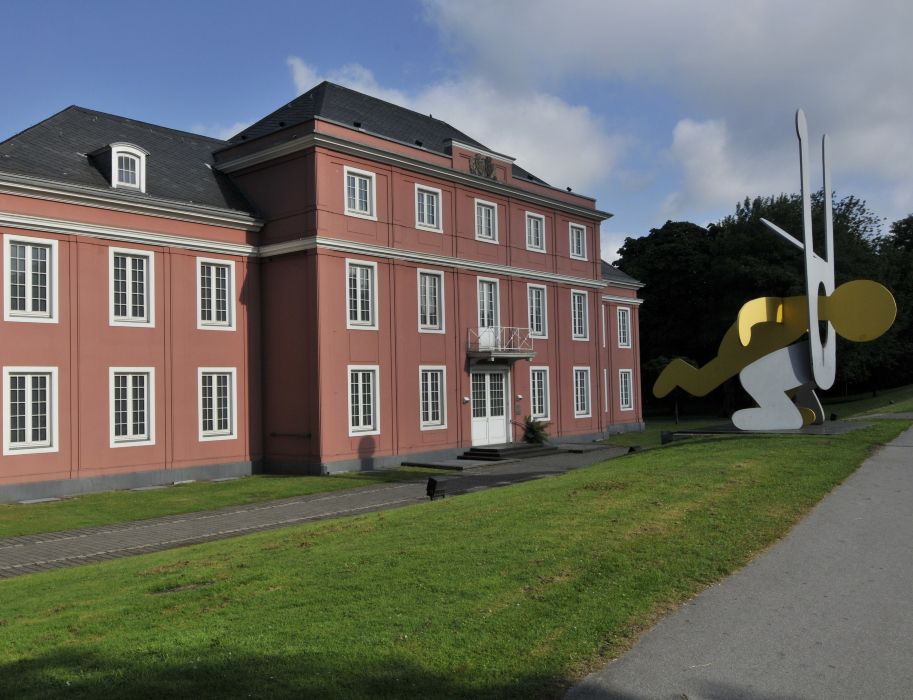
659 110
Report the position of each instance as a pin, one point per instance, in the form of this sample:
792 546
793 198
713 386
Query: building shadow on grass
225 673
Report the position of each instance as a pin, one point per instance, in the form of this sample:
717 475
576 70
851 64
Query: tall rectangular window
361 294
127 170
29 410
538 316
581 392
626 389
486 221
359 193
488 303
580 329
215 299
624 327
535 232
131 288
428 208
538 393
432 394
218 403
132 406
363 400
578 242
30 266
430 301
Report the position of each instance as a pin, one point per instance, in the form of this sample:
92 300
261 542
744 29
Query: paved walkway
23 555
826 613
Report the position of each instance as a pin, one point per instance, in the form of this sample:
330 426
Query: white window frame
232 433
605 390
214 325
52 443
589 398
494 220
131 440
529 288
438 225
497 300
548 394
530 216
572 229
621 385
371 212
135 152
132 321
442 423
586 315
625 313
441 327
362 325
51 315
371 430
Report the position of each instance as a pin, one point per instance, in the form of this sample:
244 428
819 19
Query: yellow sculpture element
860 310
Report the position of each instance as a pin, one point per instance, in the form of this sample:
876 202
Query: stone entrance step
510 450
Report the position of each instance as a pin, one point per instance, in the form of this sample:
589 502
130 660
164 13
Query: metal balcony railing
499 341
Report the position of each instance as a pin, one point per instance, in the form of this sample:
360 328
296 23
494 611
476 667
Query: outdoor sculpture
780 374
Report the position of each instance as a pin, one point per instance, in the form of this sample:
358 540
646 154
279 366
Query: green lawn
122 506
512 592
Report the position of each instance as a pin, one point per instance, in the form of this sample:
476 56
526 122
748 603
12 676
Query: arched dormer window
128 166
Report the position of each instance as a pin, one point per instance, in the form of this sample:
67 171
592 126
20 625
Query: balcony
500 342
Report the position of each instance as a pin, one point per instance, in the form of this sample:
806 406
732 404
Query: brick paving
31 553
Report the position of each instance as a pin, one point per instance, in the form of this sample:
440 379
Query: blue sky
659 109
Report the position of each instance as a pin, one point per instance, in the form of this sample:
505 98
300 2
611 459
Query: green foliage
534 430
510 592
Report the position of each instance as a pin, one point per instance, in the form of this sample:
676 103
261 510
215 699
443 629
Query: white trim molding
232 432
533 216
529 287
148 320
371 178
621 387
138 155
585 336
442 398
442 323
53 282
589 392
494 220
375 397
582 228
438 197
623 312
357 325
633 301
547 399
52 444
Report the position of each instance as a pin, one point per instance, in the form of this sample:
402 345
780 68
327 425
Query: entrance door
489 408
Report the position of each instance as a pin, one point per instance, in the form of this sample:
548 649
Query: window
131 288
431 397
359 193
535 232
488 303
215 294
428 208
580 329
578 242
430 301
626 389
363 400
624 327
538 393
486 221
128 167
581 392
538 316
218 402
30 269
361 294
30 410
132 406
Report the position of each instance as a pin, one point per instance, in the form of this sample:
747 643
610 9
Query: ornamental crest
482 166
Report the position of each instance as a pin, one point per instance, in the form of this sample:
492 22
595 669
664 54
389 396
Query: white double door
489 407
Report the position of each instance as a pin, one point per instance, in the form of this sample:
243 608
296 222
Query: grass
512 592
110 507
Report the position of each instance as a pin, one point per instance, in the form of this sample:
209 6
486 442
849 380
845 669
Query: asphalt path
825 613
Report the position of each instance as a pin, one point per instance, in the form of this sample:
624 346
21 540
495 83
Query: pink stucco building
343 284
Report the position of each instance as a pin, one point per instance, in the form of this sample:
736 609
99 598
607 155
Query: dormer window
128 166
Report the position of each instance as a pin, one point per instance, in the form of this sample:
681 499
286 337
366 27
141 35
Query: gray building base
10 493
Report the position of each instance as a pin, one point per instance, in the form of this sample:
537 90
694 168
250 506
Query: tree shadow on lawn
81 673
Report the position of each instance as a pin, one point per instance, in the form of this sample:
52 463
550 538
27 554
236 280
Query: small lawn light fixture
437 488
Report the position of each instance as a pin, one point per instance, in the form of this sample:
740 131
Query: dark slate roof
346 106
177 167
613 274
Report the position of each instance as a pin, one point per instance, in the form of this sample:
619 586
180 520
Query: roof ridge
119 117
37 124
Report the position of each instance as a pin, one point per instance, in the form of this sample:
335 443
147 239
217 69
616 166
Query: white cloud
564 144
219 131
